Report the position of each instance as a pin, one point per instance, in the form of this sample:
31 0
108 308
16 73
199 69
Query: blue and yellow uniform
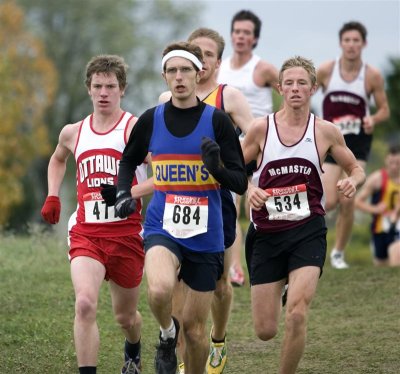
184 214
178 170
382 235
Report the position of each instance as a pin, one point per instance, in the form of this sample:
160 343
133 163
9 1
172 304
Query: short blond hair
301 62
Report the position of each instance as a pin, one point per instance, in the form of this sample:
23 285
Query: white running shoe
337 260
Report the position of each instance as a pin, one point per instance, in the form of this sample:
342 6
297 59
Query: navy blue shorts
229 216
271 257
380 244
199 270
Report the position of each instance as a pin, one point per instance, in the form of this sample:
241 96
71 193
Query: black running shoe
165 361
132 365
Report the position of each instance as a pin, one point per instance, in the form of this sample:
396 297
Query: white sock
169 332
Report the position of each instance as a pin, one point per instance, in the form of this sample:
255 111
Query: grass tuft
353 324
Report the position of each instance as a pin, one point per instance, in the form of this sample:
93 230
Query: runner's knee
85 308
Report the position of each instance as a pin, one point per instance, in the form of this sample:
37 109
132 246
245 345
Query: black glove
125 205
109 193
210 154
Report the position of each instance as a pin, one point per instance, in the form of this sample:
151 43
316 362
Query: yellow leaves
11 18
27 87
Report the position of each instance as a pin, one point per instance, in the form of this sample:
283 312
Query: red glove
51 209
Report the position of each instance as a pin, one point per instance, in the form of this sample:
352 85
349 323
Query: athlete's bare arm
143 189
330 140
324 73
376 86
164 97
131 123
252 142
266 74
372 184
252 146
238 108
58 161
395 216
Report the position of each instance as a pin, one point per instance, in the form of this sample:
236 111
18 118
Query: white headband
181 53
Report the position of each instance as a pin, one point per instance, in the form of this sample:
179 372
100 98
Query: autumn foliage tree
27 86
73 31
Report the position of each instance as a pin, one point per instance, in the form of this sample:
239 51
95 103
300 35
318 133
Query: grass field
354 324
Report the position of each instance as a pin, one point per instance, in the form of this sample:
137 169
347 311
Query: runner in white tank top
97 158
291 174
259 98
256 77
347 84
101 246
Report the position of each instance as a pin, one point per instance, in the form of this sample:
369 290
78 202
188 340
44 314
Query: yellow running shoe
181 368
217 359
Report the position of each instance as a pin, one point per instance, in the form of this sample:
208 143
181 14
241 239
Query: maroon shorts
123 257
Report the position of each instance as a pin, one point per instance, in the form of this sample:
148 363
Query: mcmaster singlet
346 103
97 157
292 177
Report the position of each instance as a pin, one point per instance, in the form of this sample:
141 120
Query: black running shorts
199 270
380 244
271 257
360 145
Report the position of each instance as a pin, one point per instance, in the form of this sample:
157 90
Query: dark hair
107 64
184 46
354 25
394 149
203 32
248 15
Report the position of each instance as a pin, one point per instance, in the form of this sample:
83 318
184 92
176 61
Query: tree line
45 46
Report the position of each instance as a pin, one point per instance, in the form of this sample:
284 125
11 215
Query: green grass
354 324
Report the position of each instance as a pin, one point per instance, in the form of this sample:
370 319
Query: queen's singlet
186 204
292 177
389 194
259 98
346 104
97 157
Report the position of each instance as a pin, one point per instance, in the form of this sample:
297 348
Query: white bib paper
288 203
348 124
96 210
185 216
